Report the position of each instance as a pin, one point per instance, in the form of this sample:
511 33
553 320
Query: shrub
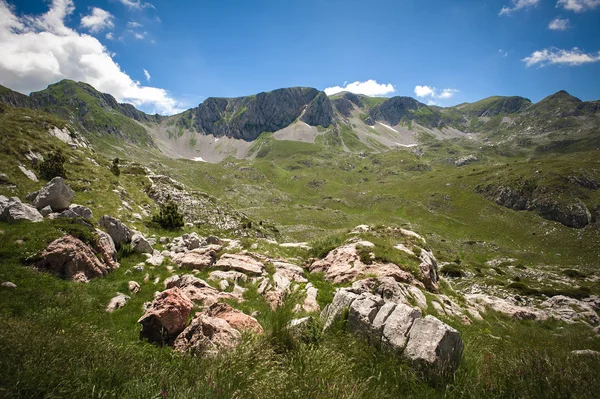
53 166
452 270
114 167
169 216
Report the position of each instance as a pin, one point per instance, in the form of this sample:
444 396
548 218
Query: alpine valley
292 244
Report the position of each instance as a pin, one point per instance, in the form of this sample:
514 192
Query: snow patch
406 145
388 127
198 159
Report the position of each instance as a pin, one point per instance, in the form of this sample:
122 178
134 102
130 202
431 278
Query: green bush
53 166
114 167
452 270
169 216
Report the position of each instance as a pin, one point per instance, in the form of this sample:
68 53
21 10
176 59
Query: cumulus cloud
433 93
552 56
98 20
578 5
147 75
518 5
40 50
368 88
135 4
559 24
133 24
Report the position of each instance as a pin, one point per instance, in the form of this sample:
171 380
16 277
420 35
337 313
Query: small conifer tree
114 167
169 216
53 166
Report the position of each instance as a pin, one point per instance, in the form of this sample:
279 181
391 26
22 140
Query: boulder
361 314
310 303
13 210
81 211
198 290
46 211
106 248
199 258
335 310
166 317
57 194
236 318
207 336
434 345
133 287
8 284
120 233
397 325
71 258
240 263
140 245
117 302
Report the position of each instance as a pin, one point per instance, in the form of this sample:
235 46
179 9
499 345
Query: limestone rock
219 275
236 318
207 336
133 287
166 317
140 245
240 263
117 302
81 211
334 311
120 233
199 258
106 248
46 211
70 258
397 325
13 210
198 290
56 193
434 344
8 284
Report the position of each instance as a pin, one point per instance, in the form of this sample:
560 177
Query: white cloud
139 35
433 93
578 5
368 88
551 56
98 20
110 36
147 75
518 5
503 53
423 91
40 50
135 4
133 24
559 24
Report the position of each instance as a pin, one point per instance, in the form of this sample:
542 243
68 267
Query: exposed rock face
76 211
236 319
166 317
207 336
56 194
319 112
120 233
219 275
429 270
240 263
117 302
247 117
13 210
481 302
394 109
70 258
346 103
343 265
140 245
427 341
573 214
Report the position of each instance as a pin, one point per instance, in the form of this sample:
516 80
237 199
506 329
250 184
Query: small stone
8 284
117 302
223 285
133 287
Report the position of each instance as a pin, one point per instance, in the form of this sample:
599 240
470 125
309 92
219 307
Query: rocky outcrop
392 111
199 258
106 248
207 336
343 265
319 112
166 317
13 210
75 211
246 118
198 290
426 341
236 318
462 161
120 233
571 214
240 263
56 194
71 258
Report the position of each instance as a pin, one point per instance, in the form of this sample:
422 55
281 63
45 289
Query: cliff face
247 117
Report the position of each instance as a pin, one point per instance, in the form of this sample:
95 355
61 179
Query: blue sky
439 51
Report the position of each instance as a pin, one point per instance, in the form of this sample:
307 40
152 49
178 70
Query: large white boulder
13 210
56 193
